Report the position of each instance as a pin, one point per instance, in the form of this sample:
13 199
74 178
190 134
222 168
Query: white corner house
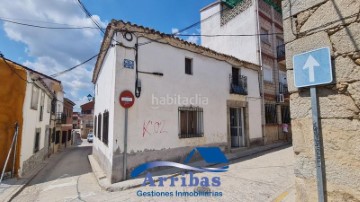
185 96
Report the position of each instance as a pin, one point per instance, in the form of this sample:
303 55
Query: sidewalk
133 183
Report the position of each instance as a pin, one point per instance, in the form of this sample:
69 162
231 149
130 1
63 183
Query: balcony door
237 127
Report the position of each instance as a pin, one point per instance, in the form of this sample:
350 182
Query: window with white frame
268 73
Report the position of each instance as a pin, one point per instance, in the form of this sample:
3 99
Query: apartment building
254 33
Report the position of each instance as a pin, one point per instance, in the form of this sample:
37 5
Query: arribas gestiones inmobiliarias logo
211 155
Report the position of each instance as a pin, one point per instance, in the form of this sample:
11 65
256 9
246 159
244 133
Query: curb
100 175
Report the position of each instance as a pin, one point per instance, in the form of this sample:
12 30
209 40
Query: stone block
335 12
347 39
291 82
341 153
307 43
354 90
332 105
346 70
289 30
296 6
306 190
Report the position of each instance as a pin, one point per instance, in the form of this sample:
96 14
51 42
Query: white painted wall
31 122
210 79
244 47
60 101
104 100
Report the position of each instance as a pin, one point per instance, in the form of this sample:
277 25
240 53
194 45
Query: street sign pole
125 144
319 153
126 100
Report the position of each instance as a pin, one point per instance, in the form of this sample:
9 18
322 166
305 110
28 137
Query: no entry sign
126 99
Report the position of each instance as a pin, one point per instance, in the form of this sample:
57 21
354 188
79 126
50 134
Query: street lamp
89 97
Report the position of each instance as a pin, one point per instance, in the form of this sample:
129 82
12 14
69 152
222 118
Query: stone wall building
308 25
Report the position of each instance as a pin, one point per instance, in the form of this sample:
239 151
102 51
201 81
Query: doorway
237 127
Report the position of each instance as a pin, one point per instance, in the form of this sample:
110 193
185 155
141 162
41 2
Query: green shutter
232 3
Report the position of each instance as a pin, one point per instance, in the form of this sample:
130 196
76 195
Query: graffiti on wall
153 127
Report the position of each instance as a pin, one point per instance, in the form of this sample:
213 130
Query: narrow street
68 177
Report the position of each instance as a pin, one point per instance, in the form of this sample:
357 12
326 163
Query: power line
188 27
72 68
230 35
83 8
44 27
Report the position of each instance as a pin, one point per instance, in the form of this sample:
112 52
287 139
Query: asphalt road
67 177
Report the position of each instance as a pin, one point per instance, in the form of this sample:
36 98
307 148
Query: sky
51 51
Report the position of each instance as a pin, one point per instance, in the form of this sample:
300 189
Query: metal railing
280 52
60 118
238 84
89 125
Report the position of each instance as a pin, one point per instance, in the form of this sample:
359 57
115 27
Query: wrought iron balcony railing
60 118
238 84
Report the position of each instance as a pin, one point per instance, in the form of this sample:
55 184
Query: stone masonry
311 24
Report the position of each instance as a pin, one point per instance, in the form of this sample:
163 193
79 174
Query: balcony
60 118
283 88
238 84
280 52
89 125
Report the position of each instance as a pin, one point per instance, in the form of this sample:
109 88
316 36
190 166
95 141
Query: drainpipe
262 72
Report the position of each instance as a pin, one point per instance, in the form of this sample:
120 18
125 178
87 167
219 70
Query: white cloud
193 39
56 50
174 30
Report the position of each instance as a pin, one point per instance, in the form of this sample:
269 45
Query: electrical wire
83 8
45 27
72 68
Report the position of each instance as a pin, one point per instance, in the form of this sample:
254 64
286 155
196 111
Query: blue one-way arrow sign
312 68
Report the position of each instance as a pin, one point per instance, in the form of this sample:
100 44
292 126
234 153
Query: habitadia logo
203 186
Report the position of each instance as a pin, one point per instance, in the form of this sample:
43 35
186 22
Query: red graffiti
153 127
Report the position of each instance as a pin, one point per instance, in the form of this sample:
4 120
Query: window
37 140
188 66
264 35
53 105
105 127
268 73
99 126
48 108
57 138
34 98
285 114
42 102
270 114
191 123
95 122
